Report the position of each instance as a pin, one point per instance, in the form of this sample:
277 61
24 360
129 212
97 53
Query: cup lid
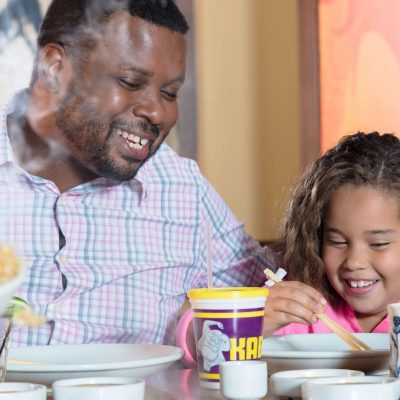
227 292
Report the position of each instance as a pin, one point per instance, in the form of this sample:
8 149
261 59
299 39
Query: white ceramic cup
354 388
242 380
22 391
394 334
99 388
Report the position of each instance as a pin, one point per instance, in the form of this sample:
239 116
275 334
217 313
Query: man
111 222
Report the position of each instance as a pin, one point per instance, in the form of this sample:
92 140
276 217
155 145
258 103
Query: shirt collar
142 176
18 100
146 171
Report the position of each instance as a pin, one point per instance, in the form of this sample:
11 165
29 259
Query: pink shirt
344 315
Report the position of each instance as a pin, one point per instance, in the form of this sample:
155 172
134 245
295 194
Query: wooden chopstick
354 342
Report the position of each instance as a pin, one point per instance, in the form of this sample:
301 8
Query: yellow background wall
248 105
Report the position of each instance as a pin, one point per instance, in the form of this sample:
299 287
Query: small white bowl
355 388
105 387
22 391
288 383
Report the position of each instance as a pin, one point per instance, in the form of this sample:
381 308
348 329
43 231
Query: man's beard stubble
78 121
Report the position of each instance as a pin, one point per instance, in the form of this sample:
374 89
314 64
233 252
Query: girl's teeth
355 284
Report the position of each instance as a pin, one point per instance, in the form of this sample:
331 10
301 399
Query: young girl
341 240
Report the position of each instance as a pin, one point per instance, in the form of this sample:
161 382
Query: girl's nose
356 258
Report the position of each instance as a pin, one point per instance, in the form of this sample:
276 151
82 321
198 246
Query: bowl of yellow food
12 274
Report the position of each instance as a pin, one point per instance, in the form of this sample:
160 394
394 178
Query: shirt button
58 308
64 259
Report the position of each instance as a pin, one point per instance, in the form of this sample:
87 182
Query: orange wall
360 67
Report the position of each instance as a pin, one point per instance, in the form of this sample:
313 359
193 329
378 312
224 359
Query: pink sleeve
293 329
181 332
343 315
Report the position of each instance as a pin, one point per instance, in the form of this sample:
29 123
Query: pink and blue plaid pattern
131 249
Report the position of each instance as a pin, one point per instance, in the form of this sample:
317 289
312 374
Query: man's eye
128 85
169 95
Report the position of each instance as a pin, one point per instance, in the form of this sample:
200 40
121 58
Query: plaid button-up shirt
111 261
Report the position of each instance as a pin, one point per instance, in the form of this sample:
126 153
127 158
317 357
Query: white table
179 384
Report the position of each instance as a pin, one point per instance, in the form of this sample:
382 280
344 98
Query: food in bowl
11 277
12 274
10 265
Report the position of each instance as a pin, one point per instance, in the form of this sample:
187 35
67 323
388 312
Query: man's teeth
355 284
134 141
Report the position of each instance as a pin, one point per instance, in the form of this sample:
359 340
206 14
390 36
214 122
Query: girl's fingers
292 302
297 292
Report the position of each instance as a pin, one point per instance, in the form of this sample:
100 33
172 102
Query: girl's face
361 250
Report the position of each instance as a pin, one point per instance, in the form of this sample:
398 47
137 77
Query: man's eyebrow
146 73
134 68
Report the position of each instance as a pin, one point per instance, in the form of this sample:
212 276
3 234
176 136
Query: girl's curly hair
359 160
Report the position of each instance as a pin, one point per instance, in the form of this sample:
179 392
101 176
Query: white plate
325 350
46 364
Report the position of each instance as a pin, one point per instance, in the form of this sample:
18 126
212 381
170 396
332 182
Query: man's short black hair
67 18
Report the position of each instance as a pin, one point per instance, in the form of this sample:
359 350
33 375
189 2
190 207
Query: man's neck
42 158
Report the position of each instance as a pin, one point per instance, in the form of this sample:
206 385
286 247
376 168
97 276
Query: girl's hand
291 302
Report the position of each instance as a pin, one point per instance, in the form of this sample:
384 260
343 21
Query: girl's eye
336 242
379 245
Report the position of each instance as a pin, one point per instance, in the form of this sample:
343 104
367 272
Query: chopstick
344 334
354 342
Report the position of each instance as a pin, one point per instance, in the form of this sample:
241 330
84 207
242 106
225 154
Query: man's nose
150 108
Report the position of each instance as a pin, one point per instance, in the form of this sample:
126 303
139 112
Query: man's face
121 104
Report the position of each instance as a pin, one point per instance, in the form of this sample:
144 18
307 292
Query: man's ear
52 67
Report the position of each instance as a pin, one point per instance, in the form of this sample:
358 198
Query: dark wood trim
310 118
187 124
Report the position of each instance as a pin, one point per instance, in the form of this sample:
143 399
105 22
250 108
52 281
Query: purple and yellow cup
228 326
